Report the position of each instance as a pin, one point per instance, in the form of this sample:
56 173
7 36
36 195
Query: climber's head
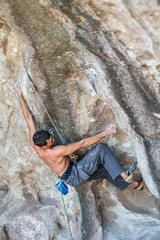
43 139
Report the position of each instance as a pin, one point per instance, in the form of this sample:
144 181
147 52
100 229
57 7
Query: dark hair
39 138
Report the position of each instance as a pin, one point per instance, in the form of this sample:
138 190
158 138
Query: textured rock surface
93 63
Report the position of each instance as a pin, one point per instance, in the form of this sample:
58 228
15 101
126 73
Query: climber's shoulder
38 150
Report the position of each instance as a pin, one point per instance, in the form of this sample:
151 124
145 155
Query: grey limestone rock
93 63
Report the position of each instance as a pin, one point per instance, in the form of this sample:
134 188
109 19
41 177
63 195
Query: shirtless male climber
96 164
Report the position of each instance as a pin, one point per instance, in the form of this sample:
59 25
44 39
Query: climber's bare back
57 164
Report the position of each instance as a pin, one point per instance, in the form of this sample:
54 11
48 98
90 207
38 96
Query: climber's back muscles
57 164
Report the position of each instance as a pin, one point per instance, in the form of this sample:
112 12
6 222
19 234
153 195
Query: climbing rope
35 91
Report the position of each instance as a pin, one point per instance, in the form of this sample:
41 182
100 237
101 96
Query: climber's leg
101 173
119 182
101 154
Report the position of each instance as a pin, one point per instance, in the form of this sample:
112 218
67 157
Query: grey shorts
96 164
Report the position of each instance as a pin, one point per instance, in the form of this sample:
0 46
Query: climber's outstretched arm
26 112
63 150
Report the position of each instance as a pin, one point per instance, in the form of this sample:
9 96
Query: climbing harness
60 185
73 157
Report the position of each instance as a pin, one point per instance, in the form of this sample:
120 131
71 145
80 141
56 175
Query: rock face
93 63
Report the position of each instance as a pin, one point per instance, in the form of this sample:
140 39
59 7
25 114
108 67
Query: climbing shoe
140 186
130 172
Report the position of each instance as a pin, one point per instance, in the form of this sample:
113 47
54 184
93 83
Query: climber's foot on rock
140 186
130 172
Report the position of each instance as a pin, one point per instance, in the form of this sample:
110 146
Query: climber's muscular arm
29 120
64 150
27 114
